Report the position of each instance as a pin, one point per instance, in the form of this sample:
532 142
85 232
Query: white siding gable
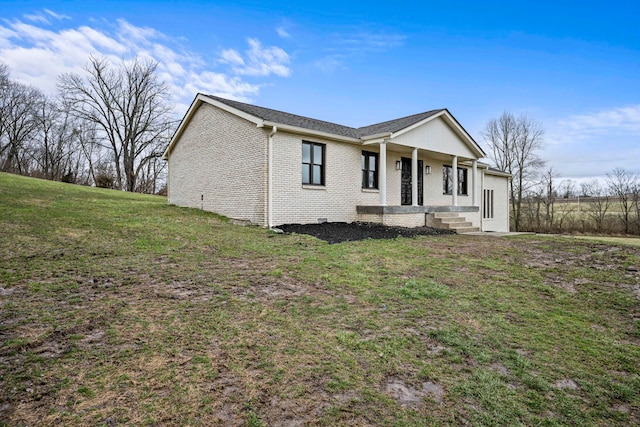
436 135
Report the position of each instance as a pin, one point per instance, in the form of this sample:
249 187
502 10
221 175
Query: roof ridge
278 116
226 100
437 110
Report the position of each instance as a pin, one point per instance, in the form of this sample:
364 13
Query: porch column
383 174
414 177
474 179
454 190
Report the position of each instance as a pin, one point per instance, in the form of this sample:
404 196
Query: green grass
118 308
634 241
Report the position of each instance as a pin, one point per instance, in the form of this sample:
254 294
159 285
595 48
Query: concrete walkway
496 233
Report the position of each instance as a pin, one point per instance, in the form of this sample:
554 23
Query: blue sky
573 66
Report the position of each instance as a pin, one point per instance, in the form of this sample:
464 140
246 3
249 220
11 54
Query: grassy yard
117 309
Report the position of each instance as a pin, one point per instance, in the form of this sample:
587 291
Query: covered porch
428 204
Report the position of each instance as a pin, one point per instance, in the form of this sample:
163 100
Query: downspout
274 130
482 201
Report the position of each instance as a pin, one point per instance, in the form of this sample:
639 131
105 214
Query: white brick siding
219 165
336 201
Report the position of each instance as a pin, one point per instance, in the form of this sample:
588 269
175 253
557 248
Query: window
487 204
369 169
312 163
447 180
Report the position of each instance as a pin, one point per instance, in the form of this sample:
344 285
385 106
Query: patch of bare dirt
567 383
412 397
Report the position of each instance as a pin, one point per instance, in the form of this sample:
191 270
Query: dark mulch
336 232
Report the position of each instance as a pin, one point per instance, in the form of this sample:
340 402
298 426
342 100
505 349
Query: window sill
370 190
313 187
459 195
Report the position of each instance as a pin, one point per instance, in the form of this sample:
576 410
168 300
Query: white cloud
590 126
232 57
346 47
368 42
592 144
57 16
282 32
45 16
37 55
258 60
37 17
626 119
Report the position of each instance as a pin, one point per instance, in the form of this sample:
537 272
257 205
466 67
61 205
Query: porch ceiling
406 151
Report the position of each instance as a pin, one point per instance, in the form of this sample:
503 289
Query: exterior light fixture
398 165
427 170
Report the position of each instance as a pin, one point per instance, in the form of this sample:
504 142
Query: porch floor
419 216
381 210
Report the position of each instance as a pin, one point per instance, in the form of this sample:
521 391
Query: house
268 167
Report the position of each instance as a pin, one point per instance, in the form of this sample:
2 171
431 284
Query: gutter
303 131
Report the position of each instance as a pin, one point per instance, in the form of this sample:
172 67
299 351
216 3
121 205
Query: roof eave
195 104
380 135
311 132
490 171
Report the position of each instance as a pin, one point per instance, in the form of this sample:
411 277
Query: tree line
541 202
107 127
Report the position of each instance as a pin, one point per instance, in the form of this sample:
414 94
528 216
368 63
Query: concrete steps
450 221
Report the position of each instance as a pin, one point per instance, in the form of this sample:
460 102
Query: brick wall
336 201
219 165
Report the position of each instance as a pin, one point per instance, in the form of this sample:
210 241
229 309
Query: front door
405 183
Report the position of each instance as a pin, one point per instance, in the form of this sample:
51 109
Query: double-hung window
447 180
369 170
312 163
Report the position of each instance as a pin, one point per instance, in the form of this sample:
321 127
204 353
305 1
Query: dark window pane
306 153
305 174
372 163
317 174
317 154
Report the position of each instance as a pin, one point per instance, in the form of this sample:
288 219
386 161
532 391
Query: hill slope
116 308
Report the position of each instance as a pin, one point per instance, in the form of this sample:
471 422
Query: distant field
118 309
634 241
578 216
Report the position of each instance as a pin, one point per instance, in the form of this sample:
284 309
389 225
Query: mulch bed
337 232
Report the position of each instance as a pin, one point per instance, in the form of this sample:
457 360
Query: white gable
436 135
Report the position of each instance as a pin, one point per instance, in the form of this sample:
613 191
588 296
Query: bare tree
567 189
513 144
624 184
54 147
19 122
129 106
91 150
598 204
550 193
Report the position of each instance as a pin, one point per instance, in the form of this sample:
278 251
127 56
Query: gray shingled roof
319 125
395 125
